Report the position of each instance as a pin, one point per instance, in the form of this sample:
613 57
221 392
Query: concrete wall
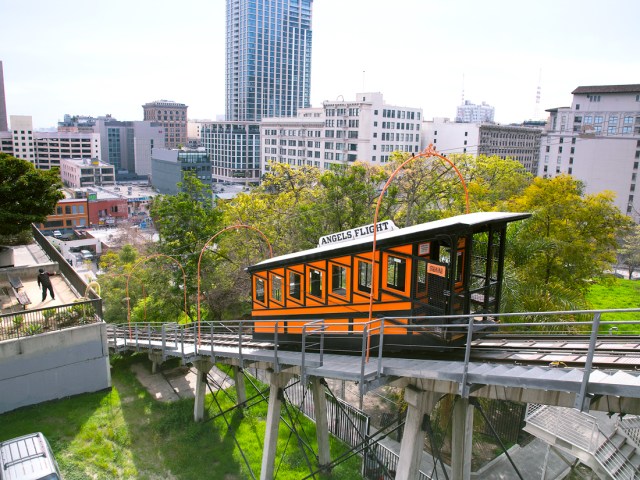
53 365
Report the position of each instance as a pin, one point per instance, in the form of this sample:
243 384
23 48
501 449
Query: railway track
619 351
616 351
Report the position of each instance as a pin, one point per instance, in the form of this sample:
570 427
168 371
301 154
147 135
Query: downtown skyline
113 57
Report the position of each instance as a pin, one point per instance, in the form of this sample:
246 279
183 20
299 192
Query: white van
28 457
86 254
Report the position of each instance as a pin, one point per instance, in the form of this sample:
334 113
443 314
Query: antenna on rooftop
536 112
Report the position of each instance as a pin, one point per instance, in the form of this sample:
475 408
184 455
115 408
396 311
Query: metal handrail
466 324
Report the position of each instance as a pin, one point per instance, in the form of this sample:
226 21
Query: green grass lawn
619 293
124 433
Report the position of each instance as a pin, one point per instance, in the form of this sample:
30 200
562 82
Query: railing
373 337
41 320
72 276
467 326
577 428
630 425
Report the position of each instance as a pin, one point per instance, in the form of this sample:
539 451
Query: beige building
78 173
597 140
173 117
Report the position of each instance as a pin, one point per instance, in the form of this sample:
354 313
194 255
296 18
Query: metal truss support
322 424
419 404
276 395
202 367
462 439
241 391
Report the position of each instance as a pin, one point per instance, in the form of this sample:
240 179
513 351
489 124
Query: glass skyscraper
268 63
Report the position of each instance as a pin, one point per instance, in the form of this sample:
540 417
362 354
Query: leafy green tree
426 189
349 195
492 181
185 222
569 241
116 267
629 253
27 195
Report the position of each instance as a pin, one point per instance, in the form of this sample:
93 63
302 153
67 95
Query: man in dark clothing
45 283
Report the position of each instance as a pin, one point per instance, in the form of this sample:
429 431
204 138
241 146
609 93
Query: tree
27 195
492 181
349 195
629 254
569 241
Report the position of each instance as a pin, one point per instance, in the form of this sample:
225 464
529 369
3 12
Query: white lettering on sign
358 232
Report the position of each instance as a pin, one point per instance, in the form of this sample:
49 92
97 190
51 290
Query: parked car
86 254
57 233
28 457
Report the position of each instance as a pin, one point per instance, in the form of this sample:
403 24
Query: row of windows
70 209
341 112
336 279
387 113
613 119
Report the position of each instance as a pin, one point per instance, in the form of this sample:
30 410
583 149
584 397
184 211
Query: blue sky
112 56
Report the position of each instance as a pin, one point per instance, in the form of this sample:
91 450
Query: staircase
613 455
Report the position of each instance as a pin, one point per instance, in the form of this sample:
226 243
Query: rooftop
632 88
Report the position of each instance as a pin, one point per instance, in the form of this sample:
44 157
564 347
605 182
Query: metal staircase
611 455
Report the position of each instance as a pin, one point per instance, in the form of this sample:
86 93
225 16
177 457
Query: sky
112 56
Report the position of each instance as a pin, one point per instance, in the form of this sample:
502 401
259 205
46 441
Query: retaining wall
53 365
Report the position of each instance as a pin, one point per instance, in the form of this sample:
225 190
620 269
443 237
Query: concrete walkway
176 383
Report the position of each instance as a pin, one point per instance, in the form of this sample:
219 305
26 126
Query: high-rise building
173 117
268 59
268 74
4 126
597 140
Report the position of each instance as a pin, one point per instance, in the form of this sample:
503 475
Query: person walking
45 282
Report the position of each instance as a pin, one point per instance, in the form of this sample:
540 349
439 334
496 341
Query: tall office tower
4 126
268 65
172 116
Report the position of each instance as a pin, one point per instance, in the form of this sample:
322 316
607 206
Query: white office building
472 113
341 132
506 141
597 140
46 149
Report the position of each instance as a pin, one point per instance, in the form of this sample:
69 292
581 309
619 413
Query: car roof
26 458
